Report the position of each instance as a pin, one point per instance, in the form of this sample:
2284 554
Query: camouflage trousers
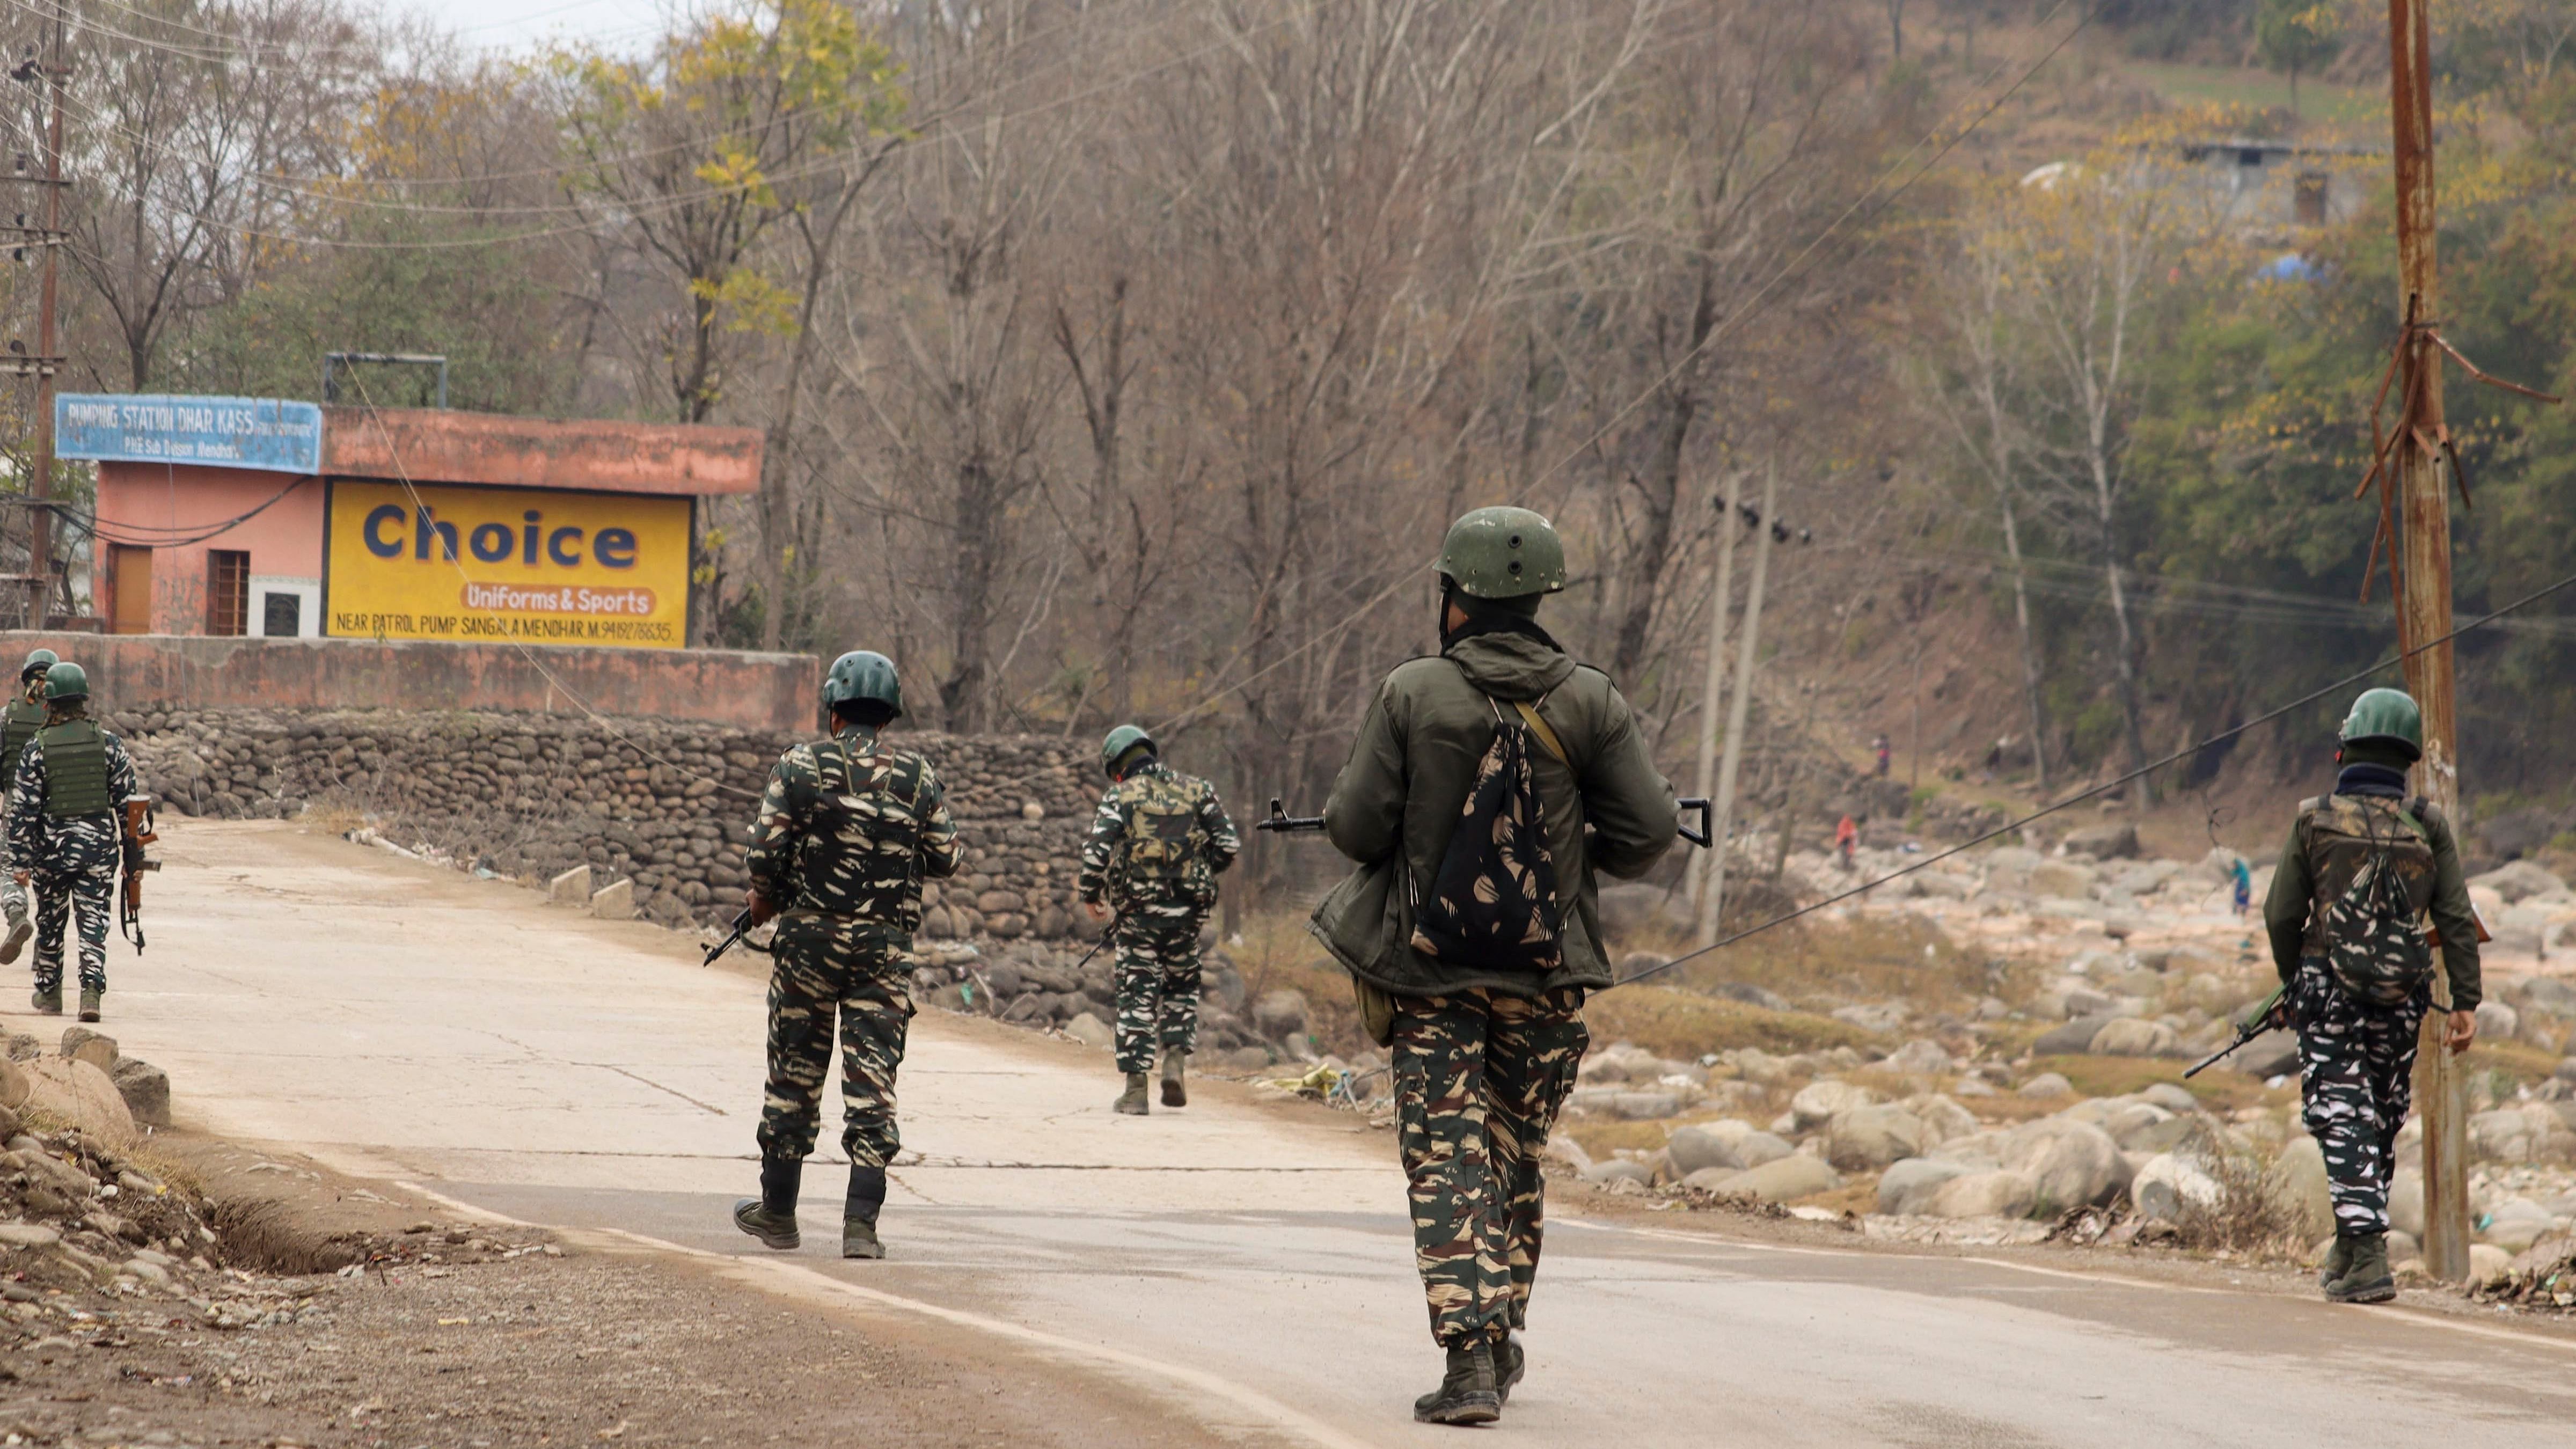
2356 1065
1479 1077
826 966
64 897
13 900
1158 987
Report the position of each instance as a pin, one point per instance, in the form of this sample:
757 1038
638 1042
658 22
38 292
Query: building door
129 578
227 592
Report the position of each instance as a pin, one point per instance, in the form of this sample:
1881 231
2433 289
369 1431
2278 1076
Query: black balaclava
2372 767
1490 616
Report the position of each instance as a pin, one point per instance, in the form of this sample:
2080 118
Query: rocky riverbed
2054 1104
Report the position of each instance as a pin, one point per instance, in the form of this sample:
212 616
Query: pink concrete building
253 518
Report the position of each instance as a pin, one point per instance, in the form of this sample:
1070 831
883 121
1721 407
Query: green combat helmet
1121 741
66 681
1503 553
862 675
2389 717
37 663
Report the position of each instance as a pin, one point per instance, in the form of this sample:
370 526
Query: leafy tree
397 281
2296 35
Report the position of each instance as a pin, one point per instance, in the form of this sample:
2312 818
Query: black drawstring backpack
1492 904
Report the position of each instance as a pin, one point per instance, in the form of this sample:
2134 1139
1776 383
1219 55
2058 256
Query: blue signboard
221 432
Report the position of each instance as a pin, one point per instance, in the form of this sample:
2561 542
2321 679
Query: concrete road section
1249 1265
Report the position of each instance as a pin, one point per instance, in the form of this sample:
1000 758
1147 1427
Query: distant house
2280 186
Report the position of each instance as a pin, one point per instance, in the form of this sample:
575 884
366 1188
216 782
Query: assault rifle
1282 823
138 834
741 937
2274 1012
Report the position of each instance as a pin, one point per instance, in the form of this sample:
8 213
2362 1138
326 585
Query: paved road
1249 1264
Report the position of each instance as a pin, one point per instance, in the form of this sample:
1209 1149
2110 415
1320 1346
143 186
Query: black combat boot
859 1214
90 999
771 1217
48 1000
1174 1093
2368 1279
1132 1101
19 930
1509 1362
1466 1394
2338 1262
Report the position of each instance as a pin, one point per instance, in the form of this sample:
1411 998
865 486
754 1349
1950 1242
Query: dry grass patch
1672 1022
2520 1061
1607 1137
2218 1090
1857 1195
1863 958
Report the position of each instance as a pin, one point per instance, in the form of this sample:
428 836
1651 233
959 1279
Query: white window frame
308 612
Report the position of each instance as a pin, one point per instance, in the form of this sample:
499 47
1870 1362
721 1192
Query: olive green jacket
1395 803
2294 908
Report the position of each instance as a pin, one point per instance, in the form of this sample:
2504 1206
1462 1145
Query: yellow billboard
497 565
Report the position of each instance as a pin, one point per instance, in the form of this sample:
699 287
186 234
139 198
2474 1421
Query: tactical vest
17 727
863 844
1162 856
2344 833
75 769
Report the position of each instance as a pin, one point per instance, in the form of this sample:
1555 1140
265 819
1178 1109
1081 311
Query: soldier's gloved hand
2464 1030
19 876
1096 910
762 908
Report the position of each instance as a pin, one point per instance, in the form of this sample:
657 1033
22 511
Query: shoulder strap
1529 716
848 770
1539 727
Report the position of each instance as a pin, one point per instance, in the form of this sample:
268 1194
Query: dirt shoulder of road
350 1312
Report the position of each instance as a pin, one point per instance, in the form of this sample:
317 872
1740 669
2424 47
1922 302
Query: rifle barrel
1281 822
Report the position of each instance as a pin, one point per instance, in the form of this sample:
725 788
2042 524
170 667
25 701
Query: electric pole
1713 900
1713 686
48 239
2423 552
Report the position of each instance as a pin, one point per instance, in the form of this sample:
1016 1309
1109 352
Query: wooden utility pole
1713 900
1713 687
2423 554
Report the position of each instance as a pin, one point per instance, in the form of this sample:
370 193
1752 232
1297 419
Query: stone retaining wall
162 671
665 804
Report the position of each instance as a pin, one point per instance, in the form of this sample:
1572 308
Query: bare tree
2091 251
1974 389
188 116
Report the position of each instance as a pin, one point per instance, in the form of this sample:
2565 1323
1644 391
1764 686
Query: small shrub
2245 1216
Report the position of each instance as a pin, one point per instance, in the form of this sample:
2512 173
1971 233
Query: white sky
519 25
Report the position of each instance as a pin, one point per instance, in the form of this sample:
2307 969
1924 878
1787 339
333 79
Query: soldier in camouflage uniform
65 838
24 716
2359 975
849 827
1484 1053
1157 845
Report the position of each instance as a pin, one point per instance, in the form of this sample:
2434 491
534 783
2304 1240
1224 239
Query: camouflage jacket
77 843
849 828
2331 840
1158 843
